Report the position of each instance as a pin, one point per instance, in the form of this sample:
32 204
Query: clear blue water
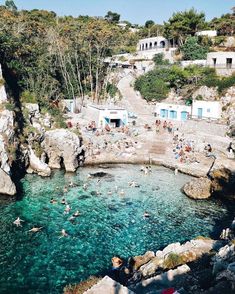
109 225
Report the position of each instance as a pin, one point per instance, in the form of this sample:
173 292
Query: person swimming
63 234
146 214
35 229
63 201
53 201
67 209
17 222
76 213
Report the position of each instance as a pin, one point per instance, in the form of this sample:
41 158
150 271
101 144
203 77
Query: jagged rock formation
207 93
62 148
198 188
37 166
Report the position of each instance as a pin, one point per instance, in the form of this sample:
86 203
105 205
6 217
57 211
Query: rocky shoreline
201 265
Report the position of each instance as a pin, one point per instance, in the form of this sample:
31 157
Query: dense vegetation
51 57
156 84
46 58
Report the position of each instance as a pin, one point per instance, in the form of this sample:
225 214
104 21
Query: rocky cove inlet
111 223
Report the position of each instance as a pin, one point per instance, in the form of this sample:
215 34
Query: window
214 61
208 110
229 62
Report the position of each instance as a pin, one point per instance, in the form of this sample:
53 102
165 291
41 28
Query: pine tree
10 4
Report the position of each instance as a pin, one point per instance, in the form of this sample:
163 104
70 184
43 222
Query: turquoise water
109 224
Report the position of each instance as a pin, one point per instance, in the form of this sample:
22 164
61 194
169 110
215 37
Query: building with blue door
108 115
177 112
198 110
206 109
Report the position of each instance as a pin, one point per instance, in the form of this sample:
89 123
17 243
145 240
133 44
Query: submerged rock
100 174
200 188
62 148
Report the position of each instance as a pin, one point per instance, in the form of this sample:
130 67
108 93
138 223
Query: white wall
220 59
171 107
210 109
155 41
207 33
186 63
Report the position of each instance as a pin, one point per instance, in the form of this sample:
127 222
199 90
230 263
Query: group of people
166 126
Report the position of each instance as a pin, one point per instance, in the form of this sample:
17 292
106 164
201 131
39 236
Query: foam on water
110 224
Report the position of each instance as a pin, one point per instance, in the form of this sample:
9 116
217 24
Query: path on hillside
134 102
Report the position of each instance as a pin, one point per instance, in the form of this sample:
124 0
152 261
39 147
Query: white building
206 109
148 47
198 110
108 115
208 33
172 111
223 62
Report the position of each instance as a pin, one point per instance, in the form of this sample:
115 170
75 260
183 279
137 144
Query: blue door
199 112
184 115
173 114
164 113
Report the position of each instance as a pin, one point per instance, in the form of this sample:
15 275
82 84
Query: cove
111 223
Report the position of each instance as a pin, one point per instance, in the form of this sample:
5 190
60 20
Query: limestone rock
198 188
7 187
165 279
108 286
207 93
151 267
137 261
37 166
62 147
6 122
3 95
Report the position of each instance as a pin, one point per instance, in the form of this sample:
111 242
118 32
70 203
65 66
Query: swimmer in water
17 222
35 229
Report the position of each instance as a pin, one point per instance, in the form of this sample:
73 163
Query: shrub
112 90
192 50
37 149
159 59
9 106
2 82
28 97
82 287
172 260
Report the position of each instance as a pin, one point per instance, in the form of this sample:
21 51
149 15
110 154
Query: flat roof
106 107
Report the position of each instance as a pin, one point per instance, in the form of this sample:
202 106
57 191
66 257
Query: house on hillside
223 62
198 110
148 47
108 115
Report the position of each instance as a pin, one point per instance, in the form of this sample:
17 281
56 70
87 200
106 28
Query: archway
155 44
146 46
162 44
142 47
150 45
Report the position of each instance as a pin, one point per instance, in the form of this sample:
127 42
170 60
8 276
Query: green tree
112 17
192 50
149 24
10 4
159 59
184 24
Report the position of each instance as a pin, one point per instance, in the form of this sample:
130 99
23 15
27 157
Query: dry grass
81 287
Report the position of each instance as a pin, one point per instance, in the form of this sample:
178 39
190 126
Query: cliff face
6 143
